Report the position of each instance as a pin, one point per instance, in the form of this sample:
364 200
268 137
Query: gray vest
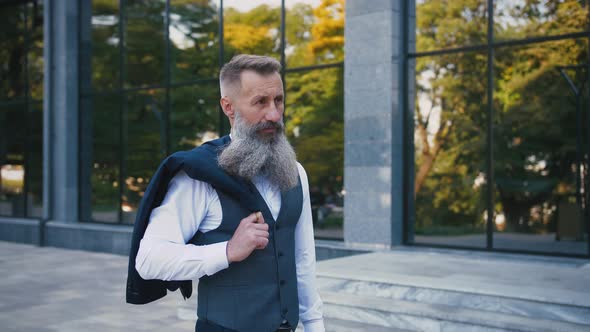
257 294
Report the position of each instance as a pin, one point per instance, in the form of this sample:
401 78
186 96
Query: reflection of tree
194 51
328 33
449 144
534 147
21 92
315 125
12 52
314 97
253 32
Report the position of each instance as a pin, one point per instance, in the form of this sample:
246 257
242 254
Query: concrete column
61 106
374 123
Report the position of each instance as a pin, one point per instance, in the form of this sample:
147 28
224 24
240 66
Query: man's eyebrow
258 97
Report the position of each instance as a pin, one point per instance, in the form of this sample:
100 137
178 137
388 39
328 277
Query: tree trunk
425 167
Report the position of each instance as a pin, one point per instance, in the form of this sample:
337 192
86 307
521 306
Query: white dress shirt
190 206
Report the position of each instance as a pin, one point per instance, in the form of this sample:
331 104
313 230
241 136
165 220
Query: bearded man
234 213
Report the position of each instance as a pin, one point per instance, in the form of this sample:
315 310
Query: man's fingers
259 217
261 227
252 218
261 233
261 242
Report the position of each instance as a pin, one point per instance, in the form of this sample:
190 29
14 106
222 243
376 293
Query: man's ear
228 107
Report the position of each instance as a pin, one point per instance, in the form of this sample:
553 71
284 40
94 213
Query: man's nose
273 114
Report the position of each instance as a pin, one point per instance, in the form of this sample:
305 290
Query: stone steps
469 300
420 316
340 325
426 290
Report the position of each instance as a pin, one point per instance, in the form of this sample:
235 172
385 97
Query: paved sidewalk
51 289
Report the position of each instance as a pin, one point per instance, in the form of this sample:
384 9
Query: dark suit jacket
200 164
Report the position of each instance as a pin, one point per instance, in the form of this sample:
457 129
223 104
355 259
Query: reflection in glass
145 42
12 181
450 150
252 29
105 44
314 32
35 58
194 115
444 24
12 159
145 146
315 127
35 161
194 40
521 19
12 51
535 147
105 157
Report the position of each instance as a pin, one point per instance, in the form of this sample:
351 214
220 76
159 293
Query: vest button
282 282
280 254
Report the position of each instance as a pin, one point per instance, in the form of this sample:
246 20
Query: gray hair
231 71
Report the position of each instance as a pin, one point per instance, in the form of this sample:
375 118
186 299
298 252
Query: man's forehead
254 83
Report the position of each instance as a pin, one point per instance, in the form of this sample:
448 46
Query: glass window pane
145 44
35 161
517 19
105 157
252 27
194 40
13 119
314 32
535 147
450 149
104 46
315 127
12 51
194 115
35 21
145 145
450 24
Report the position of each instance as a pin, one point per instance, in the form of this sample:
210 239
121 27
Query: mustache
268 125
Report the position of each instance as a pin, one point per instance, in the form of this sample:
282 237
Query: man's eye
261 101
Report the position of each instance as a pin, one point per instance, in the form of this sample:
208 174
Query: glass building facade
149 87
501 125
21 108
497 140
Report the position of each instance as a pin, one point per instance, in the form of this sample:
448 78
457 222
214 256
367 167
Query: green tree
535 110
252 32
315 98
448 127
533 149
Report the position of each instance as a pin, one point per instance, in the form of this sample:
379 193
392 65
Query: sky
246 5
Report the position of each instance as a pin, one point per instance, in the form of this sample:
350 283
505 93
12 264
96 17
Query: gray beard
250 154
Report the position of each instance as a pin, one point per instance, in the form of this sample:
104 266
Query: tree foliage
314 98
534 119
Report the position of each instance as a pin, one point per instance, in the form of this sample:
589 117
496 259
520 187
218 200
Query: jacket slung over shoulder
200 164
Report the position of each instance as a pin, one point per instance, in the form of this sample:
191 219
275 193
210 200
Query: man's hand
252 233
